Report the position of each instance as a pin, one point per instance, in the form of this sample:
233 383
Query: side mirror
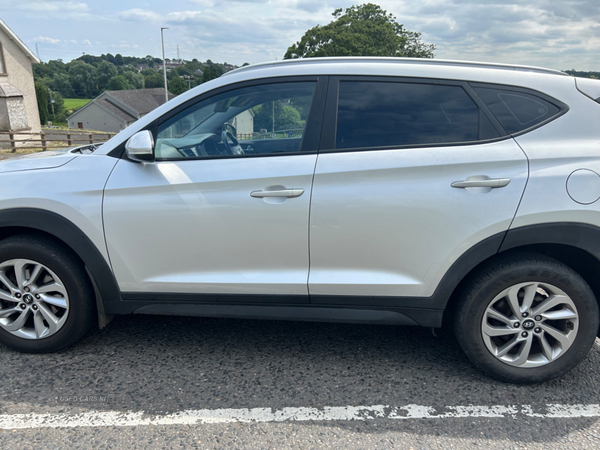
140 147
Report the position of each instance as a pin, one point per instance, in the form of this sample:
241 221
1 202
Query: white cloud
151 16
47 9
542 32
239 30
137 14
45 40
48 6
206 3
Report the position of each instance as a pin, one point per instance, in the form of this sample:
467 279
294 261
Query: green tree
154 80
147 72
42 70
43 99
57 65
177 85
106 71
183 70
134 79
59 107
286 117
119 83
576 73
364 30
192 66
149 60
84 79
61 82
211 72
302 105
90 59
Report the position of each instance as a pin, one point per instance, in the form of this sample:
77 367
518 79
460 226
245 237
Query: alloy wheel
530 324
34 303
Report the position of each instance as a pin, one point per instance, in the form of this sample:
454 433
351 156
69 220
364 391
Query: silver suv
367 190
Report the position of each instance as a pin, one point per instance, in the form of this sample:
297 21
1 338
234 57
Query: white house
116 110
244 122
18 103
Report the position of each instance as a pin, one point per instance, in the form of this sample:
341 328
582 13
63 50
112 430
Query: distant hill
88 76
578 73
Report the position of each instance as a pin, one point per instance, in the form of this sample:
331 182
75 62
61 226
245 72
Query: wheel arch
46 223
576 245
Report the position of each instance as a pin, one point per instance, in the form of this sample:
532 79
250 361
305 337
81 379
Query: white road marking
261 415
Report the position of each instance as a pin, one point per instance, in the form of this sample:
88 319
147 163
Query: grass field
74 103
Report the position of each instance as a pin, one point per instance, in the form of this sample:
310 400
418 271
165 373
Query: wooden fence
279 134
50 139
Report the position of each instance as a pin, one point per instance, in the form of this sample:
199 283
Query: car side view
363 190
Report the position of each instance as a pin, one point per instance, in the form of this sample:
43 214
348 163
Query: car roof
372 60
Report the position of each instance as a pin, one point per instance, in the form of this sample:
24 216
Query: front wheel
527 319
46 299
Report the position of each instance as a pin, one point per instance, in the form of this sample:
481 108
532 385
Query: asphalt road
164 365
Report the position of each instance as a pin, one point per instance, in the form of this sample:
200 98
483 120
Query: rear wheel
527 319
46 299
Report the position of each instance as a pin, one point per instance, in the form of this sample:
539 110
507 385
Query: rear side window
515 110
381 114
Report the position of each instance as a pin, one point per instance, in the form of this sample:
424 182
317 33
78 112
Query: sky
559 34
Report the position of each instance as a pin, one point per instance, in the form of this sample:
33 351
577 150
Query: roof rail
425 61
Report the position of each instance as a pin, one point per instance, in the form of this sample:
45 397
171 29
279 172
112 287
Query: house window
2 66
80 125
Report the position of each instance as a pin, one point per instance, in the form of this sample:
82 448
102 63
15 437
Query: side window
516 110
255 120
379 114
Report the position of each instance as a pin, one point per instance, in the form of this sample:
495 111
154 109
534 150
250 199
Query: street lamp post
162 40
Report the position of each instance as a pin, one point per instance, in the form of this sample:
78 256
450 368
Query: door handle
487 182
289 193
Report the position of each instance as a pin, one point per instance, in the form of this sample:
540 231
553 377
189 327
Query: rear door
411 174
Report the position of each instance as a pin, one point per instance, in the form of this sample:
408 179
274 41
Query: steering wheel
234 149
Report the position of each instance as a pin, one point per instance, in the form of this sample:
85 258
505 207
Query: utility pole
37 51
52 103
162 40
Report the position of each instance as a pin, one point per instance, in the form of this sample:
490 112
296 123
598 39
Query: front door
219 212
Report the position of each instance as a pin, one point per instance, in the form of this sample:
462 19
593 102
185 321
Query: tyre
527 319
46 298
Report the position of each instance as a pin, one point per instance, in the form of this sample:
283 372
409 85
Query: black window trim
485 110
328 135
563 107
313 121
